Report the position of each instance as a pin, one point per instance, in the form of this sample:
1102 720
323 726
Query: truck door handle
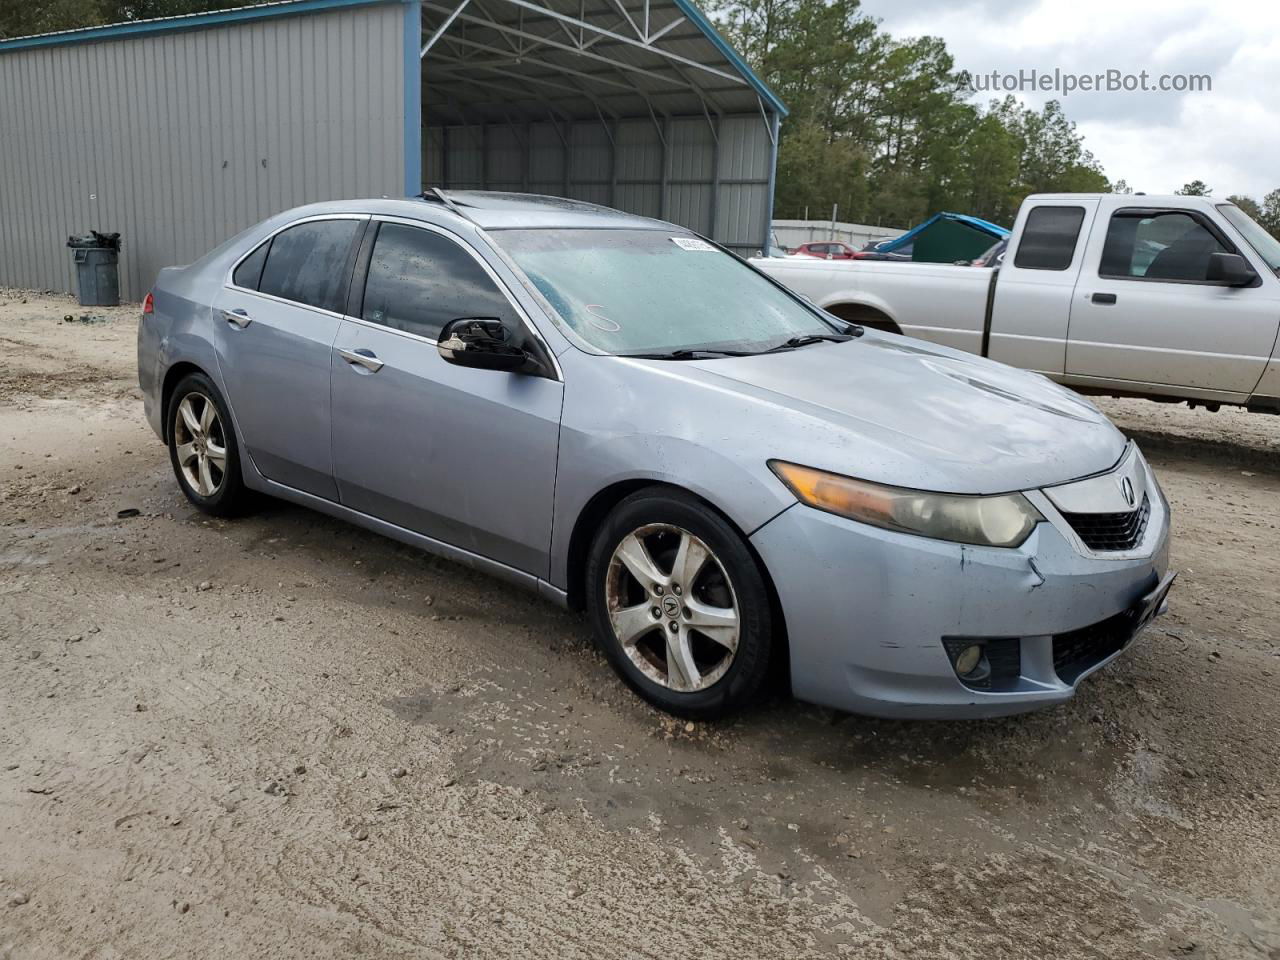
237 318
1103 298
361 357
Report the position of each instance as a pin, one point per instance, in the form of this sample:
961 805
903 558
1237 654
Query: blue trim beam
699 19
412 98
773 183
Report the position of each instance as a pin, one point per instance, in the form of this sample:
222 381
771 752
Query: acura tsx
625 417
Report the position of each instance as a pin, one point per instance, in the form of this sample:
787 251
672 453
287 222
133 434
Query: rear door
461 455
1145 313
275 322
1032 306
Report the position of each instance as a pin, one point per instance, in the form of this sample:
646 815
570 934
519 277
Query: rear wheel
202 447
679 604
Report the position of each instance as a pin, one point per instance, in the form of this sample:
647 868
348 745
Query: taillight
149 304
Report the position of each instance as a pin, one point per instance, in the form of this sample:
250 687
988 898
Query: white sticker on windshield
691 243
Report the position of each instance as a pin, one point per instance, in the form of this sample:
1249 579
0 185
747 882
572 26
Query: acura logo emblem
1126 488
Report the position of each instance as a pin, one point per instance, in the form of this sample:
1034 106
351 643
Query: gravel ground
282 736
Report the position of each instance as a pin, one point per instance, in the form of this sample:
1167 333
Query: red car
826 251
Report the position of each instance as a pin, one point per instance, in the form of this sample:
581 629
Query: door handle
361 357
1103 298
237 317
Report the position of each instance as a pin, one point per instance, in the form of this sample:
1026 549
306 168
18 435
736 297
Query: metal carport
640 106
182 131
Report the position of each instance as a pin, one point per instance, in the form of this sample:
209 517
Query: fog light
968 659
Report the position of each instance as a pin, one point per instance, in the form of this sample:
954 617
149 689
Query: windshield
1266 246
646 291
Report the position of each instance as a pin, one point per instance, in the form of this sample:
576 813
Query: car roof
493 210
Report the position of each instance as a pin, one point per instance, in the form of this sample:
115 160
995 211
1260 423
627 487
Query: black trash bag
95 240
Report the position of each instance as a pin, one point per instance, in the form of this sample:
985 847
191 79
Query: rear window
1049 237
249 272
306 263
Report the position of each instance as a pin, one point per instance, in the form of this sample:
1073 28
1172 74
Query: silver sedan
739 488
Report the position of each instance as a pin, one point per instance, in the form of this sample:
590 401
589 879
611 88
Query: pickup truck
1172 298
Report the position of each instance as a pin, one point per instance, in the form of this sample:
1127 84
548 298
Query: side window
419 281
1148 245
249 272
1049 238
306 263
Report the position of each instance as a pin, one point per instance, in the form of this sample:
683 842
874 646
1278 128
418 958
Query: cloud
1228 136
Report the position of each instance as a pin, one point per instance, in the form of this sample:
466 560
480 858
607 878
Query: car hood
898 411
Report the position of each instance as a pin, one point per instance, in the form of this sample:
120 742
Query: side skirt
493 568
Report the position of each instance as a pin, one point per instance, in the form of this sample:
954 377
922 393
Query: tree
1196 188
885 127
1270 214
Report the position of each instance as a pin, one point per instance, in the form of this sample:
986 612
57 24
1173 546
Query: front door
461 455
275 324
1143 310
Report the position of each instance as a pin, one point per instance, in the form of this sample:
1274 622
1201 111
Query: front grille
1111 531
1080 650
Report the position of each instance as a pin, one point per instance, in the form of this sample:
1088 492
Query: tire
197 426
634 616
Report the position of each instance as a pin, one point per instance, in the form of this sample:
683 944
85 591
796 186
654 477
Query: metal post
444 156
568 155
664 199
613 166
528 156
715 179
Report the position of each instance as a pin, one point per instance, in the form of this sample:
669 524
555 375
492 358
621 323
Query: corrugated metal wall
180 140
720 189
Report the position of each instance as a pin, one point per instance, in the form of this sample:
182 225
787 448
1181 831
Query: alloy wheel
201 444
672 607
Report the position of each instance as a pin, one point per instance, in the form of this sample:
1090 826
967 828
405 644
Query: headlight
1001 521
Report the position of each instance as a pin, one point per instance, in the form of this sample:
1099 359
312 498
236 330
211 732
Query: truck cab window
1049 238
1152 245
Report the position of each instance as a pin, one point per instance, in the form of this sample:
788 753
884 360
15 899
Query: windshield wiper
685 354
709 354
807 339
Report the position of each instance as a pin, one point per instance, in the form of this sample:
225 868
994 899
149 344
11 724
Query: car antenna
438 194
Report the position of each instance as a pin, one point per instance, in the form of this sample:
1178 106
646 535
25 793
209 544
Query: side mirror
483 343
1230 270
830 256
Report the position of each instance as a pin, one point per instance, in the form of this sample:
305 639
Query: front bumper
867 611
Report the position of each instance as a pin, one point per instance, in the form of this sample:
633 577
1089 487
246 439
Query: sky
1228 136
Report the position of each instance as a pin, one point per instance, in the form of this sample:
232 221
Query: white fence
792 233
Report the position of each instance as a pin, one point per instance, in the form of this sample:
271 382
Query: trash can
96 257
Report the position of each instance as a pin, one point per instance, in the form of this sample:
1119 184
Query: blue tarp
996 231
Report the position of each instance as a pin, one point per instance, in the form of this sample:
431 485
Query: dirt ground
285 737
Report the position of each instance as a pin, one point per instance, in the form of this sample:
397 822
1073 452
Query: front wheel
679 605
